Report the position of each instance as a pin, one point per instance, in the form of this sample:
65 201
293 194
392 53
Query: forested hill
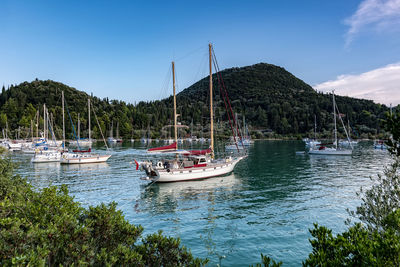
273 101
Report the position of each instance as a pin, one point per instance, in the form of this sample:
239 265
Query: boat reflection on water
170 197
48 167
168 203
85 167
190 189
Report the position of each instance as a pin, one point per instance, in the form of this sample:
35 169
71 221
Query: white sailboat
380 144
194 165
83 156
323 149
111 139
312 142
241 141
46 156
45 151
81 142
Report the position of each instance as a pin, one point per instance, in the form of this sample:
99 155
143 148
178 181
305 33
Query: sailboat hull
332 152
82 159
46 157
196 173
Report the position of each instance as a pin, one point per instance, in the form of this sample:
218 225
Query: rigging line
201 68
165 84
98 124
219 75
344 127
190 53
73 127
52 134
226 107
230 107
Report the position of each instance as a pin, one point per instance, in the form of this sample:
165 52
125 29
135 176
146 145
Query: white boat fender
159 164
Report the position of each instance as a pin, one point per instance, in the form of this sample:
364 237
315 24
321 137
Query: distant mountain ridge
273 101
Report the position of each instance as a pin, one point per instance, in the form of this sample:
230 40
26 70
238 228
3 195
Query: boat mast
175 115
79 128
334 117
37 125
32 130
112 130
211 104
62 96
44 121
315 127
89 116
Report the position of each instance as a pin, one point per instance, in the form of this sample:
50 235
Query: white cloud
381 85
379 15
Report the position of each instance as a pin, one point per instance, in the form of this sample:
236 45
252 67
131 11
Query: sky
123 49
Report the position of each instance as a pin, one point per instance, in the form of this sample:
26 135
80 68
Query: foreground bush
48 227
375 241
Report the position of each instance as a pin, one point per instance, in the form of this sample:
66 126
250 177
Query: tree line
269 99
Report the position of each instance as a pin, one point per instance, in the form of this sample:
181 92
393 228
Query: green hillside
274 103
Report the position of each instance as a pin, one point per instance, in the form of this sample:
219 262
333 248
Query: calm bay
266 206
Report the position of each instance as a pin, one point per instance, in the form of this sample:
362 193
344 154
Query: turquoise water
266 206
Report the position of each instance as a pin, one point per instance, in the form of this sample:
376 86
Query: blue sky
123 49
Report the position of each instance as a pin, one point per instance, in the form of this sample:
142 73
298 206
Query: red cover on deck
82 151
170 147
199 152
326 144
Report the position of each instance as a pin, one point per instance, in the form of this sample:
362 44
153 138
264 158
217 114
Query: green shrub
47 227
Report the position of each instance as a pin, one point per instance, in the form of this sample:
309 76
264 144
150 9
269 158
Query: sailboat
312 142
118 139
82 142
194 165
240 142
323 149
81 156
111 139
47 153
348 142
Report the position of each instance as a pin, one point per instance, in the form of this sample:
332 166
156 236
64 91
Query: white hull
346 143
29 151
330 151
234 147
189 174
71 158
14 147
311 142
46 157
111 140
83 143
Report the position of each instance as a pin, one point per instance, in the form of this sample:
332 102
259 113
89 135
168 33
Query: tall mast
244 127
44 121
315 127
79 128
62 94
89 116
32 130
175 115
211 104
37 124
334 117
